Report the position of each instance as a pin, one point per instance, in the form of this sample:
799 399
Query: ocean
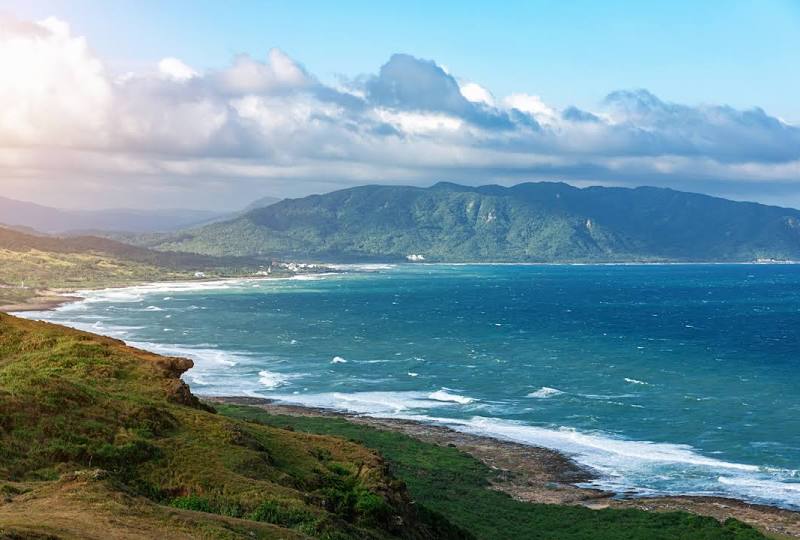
664 379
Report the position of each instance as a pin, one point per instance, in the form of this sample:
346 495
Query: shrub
279 514
192 502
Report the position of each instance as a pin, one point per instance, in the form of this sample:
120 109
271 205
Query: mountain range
22 214
529 222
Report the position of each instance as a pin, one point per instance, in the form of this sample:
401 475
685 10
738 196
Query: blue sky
213 104
741 53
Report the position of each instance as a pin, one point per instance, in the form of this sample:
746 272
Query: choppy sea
665 379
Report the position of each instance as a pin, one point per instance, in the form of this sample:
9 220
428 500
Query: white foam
375 267
310 277
372 403
196 378
153 308
338 360
443 395
644 467
598 450
545 392
764 489
636 381
137 293
270 379
204 357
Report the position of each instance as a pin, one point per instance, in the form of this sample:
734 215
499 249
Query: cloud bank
174 134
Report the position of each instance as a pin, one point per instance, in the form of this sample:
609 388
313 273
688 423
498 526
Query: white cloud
532 105
68 122
52 89
477 93
173 68
414 123
250 76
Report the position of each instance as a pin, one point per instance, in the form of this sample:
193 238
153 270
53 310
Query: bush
192 502
125 455
279 514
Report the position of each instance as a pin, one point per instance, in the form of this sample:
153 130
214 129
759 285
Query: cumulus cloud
477 94
52 89
532 105
173 68
267 124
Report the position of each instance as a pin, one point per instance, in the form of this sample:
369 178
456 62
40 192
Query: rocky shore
541 475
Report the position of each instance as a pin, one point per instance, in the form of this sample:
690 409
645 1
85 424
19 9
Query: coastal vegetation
532 222
458 486
32 265
98 439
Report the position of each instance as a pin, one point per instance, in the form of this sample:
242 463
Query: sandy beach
541 475
42 301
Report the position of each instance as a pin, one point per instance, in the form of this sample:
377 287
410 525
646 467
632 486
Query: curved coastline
539 474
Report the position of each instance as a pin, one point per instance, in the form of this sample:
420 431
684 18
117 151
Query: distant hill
530 222
18 241
261 203
55 220
31 264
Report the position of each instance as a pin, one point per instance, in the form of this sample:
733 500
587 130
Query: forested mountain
532 222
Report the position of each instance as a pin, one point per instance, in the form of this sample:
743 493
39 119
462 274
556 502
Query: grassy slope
457 486
87 262
100 440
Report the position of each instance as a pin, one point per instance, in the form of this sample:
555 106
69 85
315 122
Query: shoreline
52 299
527 473
46 299
541 475
43 300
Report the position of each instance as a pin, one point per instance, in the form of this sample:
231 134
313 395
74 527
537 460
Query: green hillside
100 440
533 222
30 264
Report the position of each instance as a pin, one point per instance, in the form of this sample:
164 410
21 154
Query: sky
211 105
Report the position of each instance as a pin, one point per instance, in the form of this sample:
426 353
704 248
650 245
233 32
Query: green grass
46 262
71 401
456 486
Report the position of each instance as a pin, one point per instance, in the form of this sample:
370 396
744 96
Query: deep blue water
665 379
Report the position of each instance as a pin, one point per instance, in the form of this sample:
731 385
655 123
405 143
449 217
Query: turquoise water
664 379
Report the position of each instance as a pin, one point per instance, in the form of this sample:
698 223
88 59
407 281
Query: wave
338 360
371 403
636 381
311 277
271 380
203 357
545 392
373 267
605 448
95 325
774 491
443 395
643 467
638 467
137 293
